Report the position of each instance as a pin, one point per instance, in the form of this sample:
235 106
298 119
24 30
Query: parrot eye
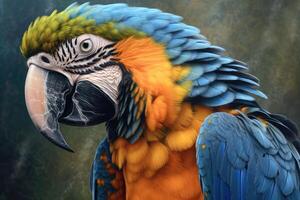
86 45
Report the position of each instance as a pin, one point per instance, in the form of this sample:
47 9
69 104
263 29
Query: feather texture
246 158
103 173
185 46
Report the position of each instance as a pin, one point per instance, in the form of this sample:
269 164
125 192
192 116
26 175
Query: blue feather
137 134
196 91
235 184
148 28
246 88
174 52
263 184
195 73
228 69
216 48
269 166
169 17
184 56
259 134
249 81
279 136
212 66
159 23
184 33
151 13
192 28
227 77
174 27
162 37
225 60
195 45
104 17
238 66
134 21
205 79
285 153
207 56
176 43
223 99
215 89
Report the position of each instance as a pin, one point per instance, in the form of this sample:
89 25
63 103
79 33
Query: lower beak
50 99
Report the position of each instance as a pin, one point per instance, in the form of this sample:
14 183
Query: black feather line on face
127 124
88 57
92 66
69 51
67 56
63 52
109 46
110 53
85 69
57 56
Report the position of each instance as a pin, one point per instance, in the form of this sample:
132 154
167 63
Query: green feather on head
47 32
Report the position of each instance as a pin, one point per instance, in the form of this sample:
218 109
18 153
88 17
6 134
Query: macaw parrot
182 118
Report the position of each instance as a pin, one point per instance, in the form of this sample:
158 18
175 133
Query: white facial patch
85 58
107 79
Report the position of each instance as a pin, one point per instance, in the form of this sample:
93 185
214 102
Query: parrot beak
45 94
51 98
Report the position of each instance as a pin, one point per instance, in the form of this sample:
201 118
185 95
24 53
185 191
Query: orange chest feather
163 165
177 180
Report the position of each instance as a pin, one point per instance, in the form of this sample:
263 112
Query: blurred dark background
265 34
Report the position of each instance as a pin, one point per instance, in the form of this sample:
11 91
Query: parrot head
84 70
77 85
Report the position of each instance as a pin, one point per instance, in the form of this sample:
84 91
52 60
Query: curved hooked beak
50 99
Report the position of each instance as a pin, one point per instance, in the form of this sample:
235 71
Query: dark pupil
85 45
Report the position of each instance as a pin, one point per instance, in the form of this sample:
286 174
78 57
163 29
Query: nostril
45 59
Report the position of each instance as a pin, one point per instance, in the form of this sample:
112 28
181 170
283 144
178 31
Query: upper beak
51 98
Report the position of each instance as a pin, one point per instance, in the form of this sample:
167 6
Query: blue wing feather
176 43
223 99
205 79
99 172
215 89
235 152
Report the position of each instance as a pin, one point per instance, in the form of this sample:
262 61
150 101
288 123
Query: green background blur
263 33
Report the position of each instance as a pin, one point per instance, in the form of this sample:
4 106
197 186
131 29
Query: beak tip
58 140
69 149
66 147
